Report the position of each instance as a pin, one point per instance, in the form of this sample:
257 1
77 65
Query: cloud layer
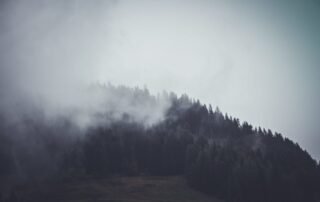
257 61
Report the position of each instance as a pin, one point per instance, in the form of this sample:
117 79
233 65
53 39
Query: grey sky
257 60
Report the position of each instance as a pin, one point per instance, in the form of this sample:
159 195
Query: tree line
215 153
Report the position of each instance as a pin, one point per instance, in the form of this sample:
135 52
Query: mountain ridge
214 152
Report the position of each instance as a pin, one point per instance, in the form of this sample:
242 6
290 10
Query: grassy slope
131 189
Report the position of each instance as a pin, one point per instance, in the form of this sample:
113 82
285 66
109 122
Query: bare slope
131 189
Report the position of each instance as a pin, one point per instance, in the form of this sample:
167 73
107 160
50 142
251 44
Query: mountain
215 153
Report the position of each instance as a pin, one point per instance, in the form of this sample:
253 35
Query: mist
256 61
84 98
50 50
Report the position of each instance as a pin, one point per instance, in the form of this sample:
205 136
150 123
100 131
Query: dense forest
216 153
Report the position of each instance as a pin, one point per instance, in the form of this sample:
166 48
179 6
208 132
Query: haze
256 60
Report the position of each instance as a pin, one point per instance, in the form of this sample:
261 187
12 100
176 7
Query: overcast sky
256 60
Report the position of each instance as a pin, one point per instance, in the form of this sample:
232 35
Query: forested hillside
217 154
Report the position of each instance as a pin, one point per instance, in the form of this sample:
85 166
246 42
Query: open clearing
116 189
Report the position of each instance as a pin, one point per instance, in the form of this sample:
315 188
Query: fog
50 50
255 60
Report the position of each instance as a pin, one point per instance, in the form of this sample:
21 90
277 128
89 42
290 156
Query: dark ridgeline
215 152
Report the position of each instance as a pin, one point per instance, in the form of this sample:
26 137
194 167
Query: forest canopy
216 153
